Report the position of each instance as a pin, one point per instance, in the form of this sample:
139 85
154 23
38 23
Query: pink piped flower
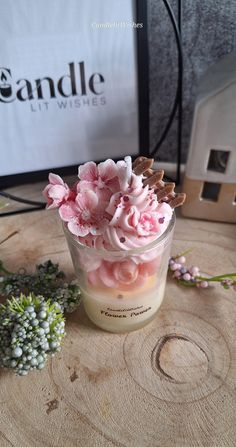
101 178
148 224
84 215
154 221
56 192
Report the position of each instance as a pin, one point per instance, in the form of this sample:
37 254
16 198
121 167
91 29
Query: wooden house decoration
210 177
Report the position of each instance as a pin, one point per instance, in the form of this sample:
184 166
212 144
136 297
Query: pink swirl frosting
136 217
135 220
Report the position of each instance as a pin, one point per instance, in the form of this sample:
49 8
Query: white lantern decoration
210 177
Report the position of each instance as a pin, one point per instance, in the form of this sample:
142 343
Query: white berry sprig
191 276
31 329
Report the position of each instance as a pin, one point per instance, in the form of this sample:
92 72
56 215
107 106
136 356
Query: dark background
208 33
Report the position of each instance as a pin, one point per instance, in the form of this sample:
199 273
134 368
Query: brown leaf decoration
164 190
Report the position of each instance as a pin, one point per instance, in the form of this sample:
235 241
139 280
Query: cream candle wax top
121 311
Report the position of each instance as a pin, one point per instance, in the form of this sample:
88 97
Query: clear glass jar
122 290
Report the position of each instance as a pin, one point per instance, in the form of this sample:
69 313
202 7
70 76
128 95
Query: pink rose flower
125 272
84 215
154 221
147 224
101 178
57 192
124 275
136 218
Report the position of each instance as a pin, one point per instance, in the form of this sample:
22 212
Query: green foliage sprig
47 281
32 323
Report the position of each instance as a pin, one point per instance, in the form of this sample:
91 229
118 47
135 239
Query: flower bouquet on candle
118 220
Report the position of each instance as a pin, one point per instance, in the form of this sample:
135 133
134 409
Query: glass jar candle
122 290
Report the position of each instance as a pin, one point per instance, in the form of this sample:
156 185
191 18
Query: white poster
68 83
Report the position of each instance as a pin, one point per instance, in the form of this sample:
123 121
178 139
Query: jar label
131 312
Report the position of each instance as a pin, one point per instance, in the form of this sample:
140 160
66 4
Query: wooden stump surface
170 384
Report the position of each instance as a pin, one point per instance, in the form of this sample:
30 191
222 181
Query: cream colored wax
120 311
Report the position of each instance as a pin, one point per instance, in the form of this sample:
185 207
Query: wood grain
171 384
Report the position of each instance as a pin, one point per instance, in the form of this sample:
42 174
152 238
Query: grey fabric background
208 33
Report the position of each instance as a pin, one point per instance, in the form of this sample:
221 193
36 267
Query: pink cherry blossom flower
84 215
101 178
56 192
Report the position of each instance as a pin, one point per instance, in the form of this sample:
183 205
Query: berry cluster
184 274
191 277
31 328
47 281
228 283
